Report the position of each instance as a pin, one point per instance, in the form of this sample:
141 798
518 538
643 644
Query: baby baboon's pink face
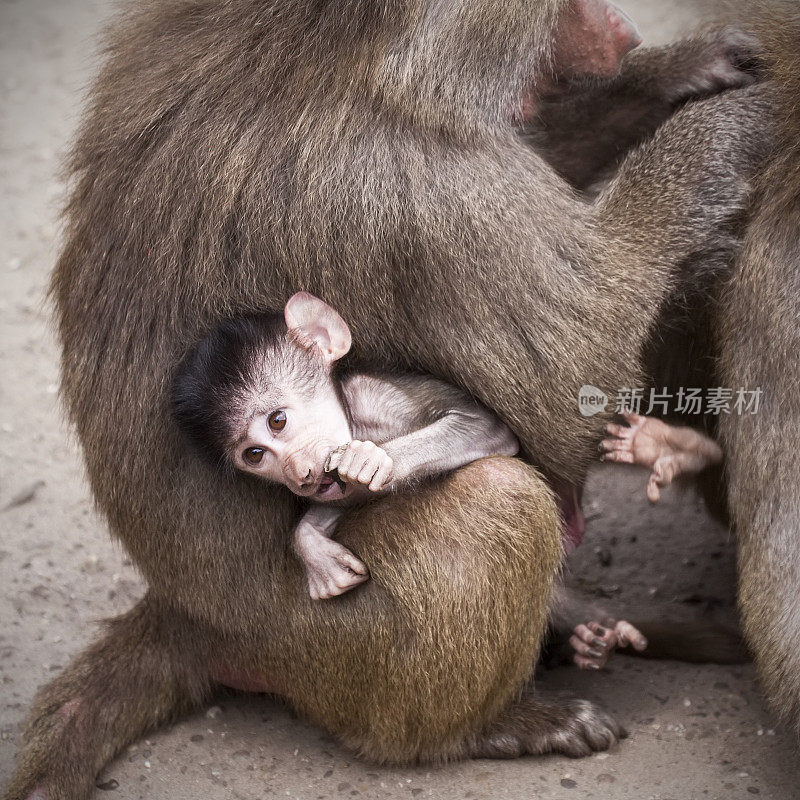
291 442
291 432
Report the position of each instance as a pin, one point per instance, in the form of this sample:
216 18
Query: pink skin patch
69 710
592 38
569 504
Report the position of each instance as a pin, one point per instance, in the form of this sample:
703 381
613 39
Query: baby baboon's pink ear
591 38
315 321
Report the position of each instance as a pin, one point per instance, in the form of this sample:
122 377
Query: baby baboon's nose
306 477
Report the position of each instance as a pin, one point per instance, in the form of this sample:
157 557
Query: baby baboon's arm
459 437
424 427
331 569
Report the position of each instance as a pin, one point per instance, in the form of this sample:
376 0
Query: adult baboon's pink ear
315 321
591 38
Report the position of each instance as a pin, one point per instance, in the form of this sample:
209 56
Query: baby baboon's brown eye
253 455
277 420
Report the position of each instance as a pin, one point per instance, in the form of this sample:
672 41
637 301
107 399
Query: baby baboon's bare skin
669 451
286 417
405 429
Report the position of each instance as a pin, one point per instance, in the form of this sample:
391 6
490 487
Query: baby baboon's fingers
335 458
634 420
615 445
382 476
584 649
603 637
628 635
618 431
314 593
350 562
367 472
618 457
347 457
587 634
586 663
653 492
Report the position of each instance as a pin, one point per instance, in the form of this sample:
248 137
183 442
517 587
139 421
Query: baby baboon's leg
452 620
587 634
143 672
578 626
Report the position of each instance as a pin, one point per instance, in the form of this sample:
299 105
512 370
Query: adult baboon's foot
573 728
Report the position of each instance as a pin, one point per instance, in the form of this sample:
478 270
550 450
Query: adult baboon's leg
144 671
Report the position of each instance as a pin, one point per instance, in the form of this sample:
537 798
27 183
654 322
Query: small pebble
568 783
25 496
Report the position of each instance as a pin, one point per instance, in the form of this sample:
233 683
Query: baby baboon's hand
331 569
363 462
594 643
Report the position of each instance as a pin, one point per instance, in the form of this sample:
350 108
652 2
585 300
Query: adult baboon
237 152
759 343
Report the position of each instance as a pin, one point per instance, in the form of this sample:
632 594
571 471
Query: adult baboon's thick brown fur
236 152
760 348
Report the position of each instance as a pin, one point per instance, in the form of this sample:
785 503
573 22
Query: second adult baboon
237 152
759 347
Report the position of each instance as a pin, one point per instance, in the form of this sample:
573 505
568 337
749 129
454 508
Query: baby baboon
260 394
237 152
267 395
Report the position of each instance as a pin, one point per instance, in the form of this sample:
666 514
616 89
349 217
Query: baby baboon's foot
331 569
573 728
594 643
668 451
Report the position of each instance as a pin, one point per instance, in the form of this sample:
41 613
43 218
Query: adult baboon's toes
573 728
592 727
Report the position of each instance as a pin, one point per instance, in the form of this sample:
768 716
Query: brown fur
759 347
234 153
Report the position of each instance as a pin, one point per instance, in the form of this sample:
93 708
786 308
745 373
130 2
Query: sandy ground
696 732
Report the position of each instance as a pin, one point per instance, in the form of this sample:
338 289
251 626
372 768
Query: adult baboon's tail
760 352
